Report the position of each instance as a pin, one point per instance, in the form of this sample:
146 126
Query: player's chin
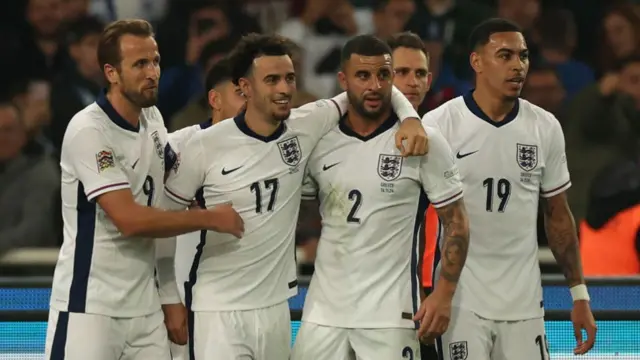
281 114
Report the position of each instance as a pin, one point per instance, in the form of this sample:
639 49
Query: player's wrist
445 287
579 292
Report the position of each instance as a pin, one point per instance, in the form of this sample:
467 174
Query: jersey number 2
356 197
502 190
271 185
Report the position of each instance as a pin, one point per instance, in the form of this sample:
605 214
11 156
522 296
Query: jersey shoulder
308 115
542 118
91 119
178 138
153 116
444 114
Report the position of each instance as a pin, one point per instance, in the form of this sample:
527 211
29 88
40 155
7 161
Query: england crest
389 166
458 350
527 156
290 151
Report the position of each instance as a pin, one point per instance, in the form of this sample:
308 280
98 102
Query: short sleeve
321 116
94 163
309 188
187 175
555 173
438 172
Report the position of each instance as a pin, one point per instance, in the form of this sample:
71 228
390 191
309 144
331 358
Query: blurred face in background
630 81
522 12
85 54
270 86
12 134
138 74
368 81
412 75
393 17
226 99
502 64
45 16
543 88
620 35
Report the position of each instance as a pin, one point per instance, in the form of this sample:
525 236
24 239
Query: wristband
579 292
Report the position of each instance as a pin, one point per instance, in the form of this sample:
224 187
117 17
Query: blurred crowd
585 68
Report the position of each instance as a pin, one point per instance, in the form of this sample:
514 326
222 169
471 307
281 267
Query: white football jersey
505 167
100 271
186 244
372 202
262 178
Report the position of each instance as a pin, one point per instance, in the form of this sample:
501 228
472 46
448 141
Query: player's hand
582 319
175 319
224 219
412 131
434 315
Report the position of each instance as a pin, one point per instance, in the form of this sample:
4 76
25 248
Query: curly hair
253 46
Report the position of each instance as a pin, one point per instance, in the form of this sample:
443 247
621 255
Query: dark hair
253 46
215 48
408 40
556 29
365 45
379 5
622 63
218 74
480 34
78 29
109 45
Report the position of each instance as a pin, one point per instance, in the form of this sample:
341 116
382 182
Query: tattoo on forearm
456 239
563 239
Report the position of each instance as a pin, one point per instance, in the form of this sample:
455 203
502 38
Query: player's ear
111 73
214 100
475 61
244 85
429 80
342 80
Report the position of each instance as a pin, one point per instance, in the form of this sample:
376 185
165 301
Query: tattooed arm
563 238
456 244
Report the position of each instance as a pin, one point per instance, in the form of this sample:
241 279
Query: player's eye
271 80
384 75
421 73
401 71
291 78
363 75
504 56
524 56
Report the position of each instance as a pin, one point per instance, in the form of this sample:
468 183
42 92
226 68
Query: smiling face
137 75
368 82
270 86
502 64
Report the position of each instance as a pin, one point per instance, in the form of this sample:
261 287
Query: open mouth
282 102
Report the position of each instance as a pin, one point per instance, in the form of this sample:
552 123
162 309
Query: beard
372 115
139 99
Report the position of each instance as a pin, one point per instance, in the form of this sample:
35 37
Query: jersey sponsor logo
290 151
527 156
327 167
104 160
460 156
389 166
458 350
226 172
158 144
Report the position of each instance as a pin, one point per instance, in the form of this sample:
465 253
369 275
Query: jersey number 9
148 188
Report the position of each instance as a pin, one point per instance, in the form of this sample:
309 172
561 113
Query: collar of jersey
472 105
108 109
386 125
242 125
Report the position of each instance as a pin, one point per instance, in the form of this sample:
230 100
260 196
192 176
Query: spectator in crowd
449 22
388 17
32 96
73 10
78 85
445 84
524 13
596 125
29 187
42 49
544 88
556 37
112 10
620 37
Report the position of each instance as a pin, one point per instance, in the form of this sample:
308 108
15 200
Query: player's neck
124 107
362 126
494 107
259 123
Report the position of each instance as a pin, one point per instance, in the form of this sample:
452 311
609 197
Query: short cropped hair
109 45
408 40
253 46
480 34
219 73
365 45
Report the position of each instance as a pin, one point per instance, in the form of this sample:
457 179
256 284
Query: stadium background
585 68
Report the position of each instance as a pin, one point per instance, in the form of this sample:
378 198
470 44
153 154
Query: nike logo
327 167
460 156
134 164
226 172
